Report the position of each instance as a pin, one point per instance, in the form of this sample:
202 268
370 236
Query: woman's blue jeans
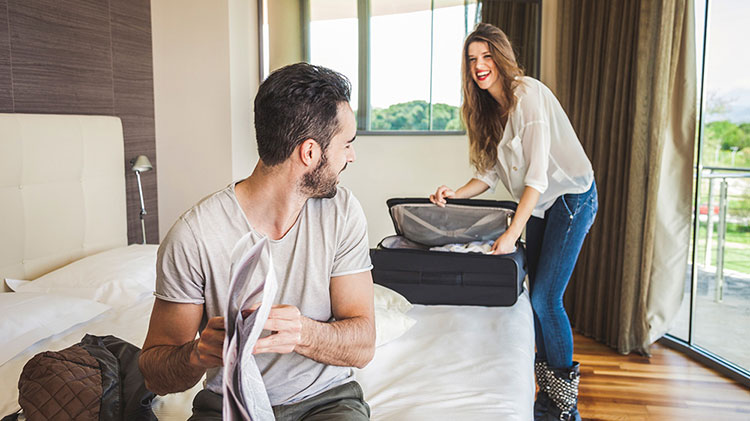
552 247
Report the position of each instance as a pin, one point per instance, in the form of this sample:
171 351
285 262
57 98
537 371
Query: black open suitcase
404 263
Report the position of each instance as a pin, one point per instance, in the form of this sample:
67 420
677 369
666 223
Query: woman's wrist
514 232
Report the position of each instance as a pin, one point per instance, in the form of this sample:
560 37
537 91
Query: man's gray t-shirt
328 239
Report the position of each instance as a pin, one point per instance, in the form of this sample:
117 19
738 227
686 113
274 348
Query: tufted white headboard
62 190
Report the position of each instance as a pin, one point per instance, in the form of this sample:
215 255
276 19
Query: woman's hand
505 244
441 194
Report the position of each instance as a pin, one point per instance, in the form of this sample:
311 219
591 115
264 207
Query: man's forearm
348 343
167 369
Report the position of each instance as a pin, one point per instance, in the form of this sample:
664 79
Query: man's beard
320 182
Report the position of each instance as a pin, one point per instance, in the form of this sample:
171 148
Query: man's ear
309 152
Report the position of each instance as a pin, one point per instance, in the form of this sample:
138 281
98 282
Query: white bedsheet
456 363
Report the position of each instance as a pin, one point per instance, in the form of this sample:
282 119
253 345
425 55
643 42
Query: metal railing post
709 221
721 234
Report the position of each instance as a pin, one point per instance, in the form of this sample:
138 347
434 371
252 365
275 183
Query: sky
400 54
727 69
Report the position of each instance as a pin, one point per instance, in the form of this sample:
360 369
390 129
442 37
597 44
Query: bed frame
62 190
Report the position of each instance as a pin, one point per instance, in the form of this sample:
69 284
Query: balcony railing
722 175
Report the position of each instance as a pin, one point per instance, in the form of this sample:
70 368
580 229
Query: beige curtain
519 19
625 75
658 233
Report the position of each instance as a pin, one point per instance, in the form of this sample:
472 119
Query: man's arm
172 360
348 341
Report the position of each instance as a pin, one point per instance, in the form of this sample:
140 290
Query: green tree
726 134
414 115
455 125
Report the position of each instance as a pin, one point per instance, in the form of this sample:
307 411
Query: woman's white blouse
539 149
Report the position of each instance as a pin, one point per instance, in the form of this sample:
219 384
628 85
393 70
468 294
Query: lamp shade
141 163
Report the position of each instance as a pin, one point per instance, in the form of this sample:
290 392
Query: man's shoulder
341 206
207 213
343 194
342 198
219 200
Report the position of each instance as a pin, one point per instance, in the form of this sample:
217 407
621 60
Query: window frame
364 109
688 345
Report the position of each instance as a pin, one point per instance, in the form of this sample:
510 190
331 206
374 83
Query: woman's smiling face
483 68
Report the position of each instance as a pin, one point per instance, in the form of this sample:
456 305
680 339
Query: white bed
455 363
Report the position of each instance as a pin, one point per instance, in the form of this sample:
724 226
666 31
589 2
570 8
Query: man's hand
285 322
348 341
208 351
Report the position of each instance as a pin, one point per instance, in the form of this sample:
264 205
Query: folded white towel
483 247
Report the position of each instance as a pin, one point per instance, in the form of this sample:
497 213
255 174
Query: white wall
244 74
205 80
205 74
405 166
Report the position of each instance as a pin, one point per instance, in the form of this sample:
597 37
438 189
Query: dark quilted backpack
96 379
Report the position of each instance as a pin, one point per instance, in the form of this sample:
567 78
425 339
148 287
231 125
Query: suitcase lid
460 221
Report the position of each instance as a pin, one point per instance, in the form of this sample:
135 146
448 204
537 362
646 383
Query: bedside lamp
141 164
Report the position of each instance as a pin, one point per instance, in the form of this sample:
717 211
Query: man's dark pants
342 403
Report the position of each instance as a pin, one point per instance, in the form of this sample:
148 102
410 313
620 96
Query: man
322 322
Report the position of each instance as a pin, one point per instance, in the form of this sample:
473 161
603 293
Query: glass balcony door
715 315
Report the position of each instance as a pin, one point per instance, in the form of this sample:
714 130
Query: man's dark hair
296 103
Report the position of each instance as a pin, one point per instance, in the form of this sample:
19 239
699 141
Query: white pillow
390 320
390 299
115 277
26 318
390 324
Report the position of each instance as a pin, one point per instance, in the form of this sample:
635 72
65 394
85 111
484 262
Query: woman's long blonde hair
482 115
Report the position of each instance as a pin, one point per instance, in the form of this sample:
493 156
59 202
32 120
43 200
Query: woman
519 133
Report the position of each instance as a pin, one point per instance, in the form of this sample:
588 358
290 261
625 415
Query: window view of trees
411 67
415 115
726 144
726 138
729 137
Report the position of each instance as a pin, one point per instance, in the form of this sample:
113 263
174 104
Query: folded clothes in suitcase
405 263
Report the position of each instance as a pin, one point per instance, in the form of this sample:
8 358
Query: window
714 317
403 58
333 39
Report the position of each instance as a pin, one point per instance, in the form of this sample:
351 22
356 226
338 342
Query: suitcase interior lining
427 224
401 242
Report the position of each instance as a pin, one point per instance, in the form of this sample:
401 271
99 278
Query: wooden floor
667 386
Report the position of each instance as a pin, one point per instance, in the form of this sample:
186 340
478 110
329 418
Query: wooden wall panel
86 57
61 56
132 64
6 87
